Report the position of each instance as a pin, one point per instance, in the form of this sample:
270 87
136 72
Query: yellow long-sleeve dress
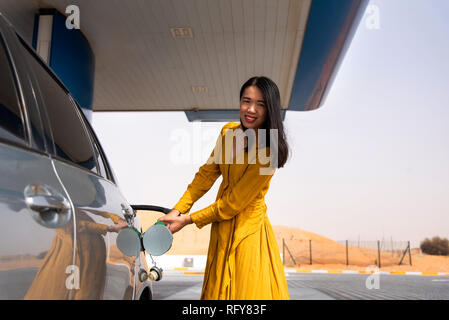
243 261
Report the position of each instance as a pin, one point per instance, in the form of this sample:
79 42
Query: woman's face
253 110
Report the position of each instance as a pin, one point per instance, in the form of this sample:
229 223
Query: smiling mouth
250 119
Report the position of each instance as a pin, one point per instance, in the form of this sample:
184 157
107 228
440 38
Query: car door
100 270
37 222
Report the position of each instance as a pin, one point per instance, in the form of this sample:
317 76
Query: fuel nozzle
143 275
155 273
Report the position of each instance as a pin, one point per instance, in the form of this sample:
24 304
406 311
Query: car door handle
48 206
45 203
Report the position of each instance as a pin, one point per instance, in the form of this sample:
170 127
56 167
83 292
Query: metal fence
356 253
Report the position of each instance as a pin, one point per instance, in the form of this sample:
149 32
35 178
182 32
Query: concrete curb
196 271
408 273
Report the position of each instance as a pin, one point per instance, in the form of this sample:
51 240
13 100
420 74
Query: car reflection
86 278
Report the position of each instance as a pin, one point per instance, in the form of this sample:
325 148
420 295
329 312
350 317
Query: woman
243 257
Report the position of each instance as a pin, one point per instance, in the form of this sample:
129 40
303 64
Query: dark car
60 206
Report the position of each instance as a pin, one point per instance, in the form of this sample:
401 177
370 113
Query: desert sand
326 253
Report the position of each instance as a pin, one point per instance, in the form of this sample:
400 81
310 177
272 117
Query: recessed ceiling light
200 89
185 32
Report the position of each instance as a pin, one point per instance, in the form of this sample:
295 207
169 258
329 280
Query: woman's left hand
174 222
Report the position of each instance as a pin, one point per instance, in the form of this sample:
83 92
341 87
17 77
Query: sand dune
326 253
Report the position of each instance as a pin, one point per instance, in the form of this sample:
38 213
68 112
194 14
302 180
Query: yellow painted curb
429 273
331 271
397 272
191 272
372 271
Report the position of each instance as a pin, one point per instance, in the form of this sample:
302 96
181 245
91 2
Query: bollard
378 252
347 259
310 249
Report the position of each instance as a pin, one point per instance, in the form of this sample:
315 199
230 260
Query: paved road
175 285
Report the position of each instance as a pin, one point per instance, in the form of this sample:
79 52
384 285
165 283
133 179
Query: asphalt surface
176 285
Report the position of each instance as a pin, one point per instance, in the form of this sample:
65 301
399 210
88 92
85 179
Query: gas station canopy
194 55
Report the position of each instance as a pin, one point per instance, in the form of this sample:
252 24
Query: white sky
373 162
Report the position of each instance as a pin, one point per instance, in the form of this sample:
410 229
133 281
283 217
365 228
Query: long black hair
273 120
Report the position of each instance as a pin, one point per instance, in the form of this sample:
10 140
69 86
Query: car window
12 126
102 163
70 137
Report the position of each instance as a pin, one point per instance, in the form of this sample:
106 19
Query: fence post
285 246
347 259
403 255
378 252
310 249
283 252
409 252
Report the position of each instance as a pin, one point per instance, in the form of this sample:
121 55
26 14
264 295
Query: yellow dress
243 261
